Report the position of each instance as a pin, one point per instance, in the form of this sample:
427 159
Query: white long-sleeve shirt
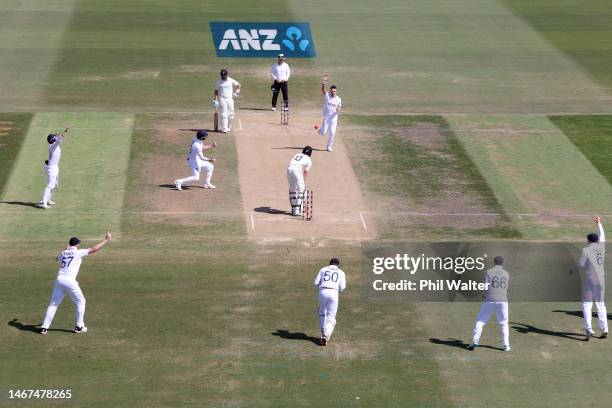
592 258
281 72
331 277
55 151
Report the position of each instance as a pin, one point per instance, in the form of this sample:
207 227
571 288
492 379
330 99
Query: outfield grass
92 177
185 310
13 127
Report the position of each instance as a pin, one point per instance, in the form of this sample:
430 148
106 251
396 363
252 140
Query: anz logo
257 40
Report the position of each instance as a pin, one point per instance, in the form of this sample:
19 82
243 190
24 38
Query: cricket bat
216 120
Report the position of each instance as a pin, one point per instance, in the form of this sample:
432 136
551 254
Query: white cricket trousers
602 315
295 177
52 178
328 307
227 112
330 122
63 287
501 313
208 168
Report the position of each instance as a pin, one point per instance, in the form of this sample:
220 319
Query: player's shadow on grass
527 328
286 334
270 210
256 109
578 313
31 327
459 343
195 130
22 203
173 187
314 149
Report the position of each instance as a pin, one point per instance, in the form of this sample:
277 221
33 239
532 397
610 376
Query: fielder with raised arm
592 260
332 105
496 300
197 161
52 167
225 91
297 171
330 280
66 283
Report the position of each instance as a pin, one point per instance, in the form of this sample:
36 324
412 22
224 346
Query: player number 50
330 276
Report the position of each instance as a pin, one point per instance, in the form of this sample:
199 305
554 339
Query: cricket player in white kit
52 167
592 260
496 300
332 105
227 88
298 169
197 161
330 280
66 284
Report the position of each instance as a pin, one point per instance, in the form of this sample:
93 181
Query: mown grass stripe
92 177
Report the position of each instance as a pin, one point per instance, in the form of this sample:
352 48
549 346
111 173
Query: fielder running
332 105
592 260
330 280
224 97
496 300
297 171
52 167
66 284
197 161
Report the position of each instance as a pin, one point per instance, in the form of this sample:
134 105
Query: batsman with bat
52 167
298 169
226 90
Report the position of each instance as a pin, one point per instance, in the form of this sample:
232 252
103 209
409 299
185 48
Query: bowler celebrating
52 167
330 280
66 284
332 104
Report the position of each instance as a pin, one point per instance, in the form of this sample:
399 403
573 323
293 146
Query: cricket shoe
472 346
286 109
51 202
178 185
209 186
273 109
323 340
604 335
43 205
82 329
329 149
43 330
589 334
507 348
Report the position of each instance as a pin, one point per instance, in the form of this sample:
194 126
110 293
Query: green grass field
466 120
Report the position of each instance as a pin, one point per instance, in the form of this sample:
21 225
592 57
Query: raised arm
323 83
100 244
602 234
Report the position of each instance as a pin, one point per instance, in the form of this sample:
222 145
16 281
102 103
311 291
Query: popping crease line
419 214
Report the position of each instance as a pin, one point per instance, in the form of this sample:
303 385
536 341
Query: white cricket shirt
331 277
70 262
300 161
226 88
55 152
331 105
